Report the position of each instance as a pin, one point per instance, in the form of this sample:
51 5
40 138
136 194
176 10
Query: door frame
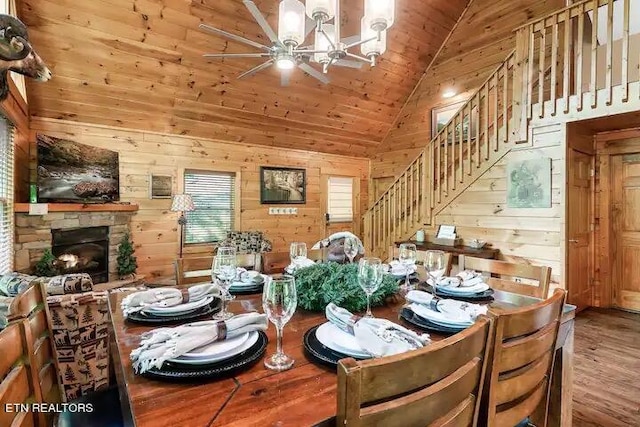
607 146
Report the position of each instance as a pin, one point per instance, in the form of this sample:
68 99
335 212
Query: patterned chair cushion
247 242
68 284
12 284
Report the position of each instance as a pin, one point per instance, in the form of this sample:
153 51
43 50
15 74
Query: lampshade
323 44
321 9
182 203
374 47
379 14
291 21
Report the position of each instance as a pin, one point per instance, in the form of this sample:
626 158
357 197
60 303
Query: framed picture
442 115
529 183
160 186
282 185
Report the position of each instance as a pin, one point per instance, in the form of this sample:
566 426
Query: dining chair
191 270
519 374
275 262
421 256
504 275
440 384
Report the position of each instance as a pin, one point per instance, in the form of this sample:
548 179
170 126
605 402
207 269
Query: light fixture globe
379 14
291 21
285 62
375 47
323 44
321 10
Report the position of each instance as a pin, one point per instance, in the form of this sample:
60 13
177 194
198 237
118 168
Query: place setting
466 286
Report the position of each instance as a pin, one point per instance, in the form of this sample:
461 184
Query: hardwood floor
607 369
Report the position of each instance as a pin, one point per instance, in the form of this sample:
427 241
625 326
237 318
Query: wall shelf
80 207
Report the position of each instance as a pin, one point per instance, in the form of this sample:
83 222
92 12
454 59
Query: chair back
275 262
519 374
198 269
19 379
503 274
421 256
440 384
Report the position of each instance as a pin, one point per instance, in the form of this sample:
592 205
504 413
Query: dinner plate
464 291
440 318
152 319
336 339
246 291
410 317
180 308
319 353
218 351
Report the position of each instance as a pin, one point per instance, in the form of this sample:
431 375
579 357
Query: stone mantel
80 207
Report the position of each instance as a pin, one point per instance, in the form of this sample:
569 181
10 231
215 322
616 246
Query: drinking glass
279 301
434 264
297 252
351 248
370 274
407 257
224 269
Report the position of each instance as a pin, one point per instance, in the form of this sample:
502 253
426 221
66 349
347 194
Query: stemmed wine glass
279 301
407 258
351 248
297 252
224 269
370 274
434 264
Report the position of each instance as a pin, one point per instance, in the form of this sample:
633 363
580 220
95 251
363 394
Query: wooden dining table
302 396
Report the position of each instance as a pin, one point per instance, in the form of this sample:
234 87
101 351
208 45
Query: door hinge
592 172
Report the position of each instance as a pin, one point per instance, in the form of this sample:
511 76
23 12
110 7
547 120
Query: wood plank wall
481 40
155 227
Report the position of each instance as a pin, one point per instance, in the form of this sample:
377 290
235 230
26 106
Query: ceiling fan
286 50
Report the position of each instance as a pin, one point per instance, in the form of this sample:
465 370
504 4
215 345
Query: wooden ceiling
138 64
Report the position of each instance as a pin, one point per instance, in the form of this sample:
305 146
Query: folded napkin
378 337
396 268
470 278
160 345
426 299
306 262
166 297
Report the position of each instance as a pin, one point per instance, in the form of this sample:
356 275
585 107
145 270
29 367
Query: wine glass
351 248
225 269
407 258
279 301
297 252
369 278
434 264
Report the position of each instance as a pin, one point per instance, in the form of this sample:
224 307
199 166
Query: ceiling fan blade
257 15
254 70
284 78
314 73
347 63
232 36
351 40
236 55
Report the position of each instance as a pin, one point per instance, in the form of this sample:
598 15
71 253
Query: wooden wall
480 41
155 227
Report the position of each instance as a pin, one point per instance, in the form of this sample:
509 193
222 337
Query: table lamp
182 203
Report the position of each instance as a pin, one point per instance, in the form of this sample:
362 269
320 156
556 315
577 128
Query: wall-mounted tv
72 172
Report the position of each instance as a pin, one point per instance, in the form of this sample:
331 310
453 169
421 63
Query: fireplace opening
82 250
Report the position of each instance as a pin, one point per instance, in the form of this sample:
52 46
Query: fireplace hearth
82 250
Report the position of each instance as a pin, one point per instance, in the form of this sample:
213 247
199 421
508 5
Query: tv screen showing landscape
73 172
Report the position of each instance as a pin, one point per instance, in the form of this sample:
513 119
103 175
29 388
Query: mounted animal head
17 54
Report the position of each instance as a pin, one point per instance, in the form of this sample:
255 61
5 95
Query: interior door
625 212
579 229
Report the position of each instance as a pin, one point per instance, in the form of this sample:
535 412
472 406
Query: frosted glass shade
379 14
323 44
291 20
325 8
373 47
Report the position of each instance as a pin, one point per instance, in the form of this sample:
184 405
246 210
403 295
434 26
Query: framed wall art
282 185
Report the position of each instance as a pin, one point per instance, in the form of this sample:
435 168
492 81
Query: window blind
214 201
6 196
340 199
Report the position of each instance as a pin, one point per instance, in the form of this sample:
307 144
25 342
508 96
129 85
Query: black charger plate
247 291
150 319
175 372
319 353
410 317
482 296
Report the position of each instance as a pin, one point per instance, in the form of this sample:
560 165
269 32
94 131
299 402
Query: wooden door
343 198
625 214
579 229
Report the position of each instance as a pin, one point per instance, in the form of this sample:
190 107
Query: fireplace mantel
81 207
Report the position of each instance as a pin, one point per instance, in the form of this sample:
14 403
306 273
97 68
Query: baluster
446 161
496 109
543 44
580 56
461 144
410 195
439 166
625 51
469 127
485 130
609 74
530 71
453 152
478 130
554 64
593 87
432 175
505 102
566 78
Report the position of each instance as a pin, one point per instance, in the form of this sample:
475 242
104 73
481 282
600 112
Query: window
213 196
340 199
6 196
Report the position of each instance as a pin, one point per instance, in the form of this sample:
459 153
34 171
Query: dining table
305 395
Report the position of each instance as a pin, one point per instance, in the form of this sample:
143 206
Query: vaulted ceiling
138 64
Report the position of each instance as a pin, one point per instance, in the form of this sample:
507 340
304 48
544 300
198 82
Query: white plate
458 309
470 290
336 339
216 348
250 341
440 318
180 308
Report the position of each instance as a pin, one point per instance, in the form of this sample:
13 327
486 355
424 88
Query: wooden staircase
543 80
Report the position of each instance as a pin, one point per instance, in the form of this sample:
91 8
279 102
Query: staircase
550 76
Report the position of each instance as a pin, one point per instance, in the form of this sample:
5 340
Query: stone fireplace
84 241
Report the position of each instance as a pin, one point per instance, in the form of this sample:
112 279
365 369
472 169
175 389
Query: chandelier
297 20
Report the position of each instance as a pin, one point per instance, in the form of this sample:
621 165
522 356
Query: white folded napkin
470 278
378 337
468 311
167 297
396 268
162 344
306 262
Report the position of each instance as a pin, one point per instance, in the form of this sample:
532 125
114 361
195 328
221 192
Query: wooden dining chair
421 256
198 269
504 275
275 262
440 384
519 374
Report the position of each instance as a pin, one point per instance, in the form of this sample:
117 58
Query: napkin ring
222 330
351 323
185 295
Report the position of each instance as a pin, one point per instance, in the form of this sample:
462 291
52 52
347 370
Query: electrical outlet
272 211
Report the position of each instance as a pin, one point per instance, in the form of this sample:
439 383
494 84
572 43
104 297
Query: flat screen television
72 172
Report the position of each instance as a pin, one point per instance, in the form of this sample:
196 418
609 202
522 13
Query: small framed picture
442 115
160 186
283 185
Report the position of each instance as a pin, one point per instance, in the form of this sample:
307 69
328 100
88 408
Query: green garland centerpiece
325 283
